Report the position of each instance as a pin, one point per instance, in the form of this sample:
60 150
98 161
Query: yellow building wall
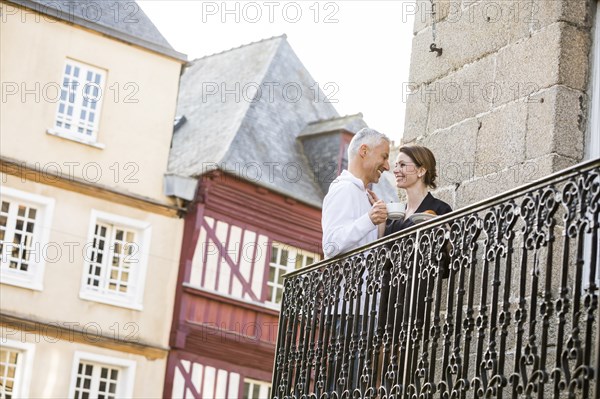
135 128
136 135
59 300
53 363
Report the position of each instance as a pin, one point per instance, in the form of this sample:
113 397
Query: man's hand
372 196
378 212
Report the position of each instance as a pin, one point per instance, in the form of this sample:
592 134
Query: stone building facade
510 98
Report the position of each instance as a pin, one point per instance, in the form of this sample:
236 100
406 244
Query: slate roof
351 123
238 117
126 22
386 187
259 128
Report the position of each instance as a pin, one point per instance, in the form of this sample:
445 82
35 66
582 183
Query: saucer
395 215
421 217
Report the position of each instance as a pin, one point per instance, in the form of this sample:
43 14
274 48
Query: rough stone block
423 11
454 149
555 55
480 29
446 194
459 95
501 138
426 66
415 122
528 66
544 13
548 164
575 45
554 123
467 34
492 184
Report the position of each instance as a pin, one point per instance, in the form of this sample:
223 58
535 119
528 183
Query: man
352 214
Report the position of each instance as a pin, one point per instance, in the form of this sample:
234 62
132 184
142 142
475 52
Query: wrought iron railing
499 299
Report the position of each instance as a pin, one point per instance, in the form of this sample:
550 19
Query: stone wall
506 102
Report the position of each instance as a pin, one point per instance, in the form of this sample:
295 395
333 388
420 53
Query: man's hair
370 137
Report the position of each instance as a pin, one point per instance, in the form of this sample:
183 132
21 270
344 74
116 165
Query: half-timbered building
255 146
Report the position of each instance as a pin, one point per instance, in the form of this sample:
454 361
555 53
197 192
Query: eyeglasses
402 165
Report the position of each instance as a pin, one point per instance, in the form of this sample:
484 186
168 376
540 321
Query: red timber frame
219 330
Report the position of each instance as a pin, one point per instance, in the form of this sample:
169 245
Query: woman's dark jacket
429 203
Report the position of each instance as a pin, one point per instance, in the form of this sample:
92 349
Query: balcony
499 299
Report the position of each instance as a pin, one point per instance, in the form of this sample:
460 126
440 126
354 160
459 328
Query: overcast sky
357 51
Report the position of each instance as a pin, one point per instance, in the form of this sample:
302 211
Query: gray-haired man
352 214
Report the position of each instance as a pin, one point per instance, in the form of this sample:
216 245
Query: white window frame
78 97
293 252
24 365
264 391
126 379
33 278
143 230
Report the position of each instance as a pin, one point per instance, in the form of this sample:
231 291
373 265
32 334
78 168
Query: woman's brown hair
423 157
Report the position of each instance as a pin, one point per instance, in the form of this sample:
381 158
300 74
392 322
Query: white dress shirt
345 219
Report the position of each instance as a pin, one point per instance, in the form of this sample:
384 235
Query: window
80 99
116 260
102 377
25 221
256 389
16 360
285 259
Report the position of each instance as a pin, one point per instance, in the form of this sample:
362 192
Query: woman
415 172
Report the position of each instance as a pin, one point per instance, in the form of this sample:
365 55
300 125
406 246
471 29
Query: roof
385 188
351 123
244 109
126 22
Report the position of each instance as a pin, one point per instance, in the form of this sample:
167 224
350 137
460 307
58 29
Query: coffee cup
396 210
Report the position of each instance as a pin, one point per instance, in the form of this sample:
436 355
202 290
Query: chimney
325 145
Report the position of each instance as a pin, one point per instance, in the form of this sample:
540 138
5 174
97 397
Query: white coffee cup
396 210
395 207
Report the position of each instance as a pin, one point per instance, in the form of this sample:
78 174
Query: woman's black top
429 203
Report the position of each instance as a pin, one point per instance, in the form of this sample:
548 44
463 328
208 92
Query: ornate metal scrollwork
501 301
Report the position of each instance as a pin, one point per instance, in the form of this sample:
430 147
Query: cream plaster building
89 243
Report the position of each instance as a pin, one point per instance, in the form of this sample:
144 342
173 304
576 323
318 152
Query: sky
358 52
